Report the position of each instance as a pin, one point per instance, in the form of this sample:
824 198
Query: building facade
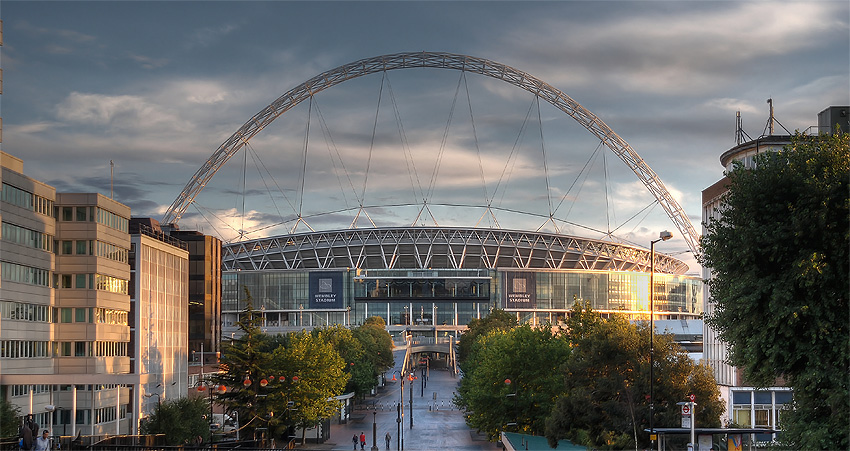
159 290
433 281
93 319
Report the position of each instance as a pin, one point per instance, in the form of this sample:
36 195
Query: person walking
388 437
362 440
354 440
43 442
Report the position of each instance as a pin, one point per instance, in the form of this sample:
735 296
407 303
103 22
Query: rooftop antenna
111 179
739 132
771 119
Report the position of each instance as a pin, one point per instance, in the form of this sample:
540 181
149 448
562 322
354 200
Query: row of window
44 313
94 282
21 390
27 237
25 312
19 349
110 219
24 390
25 199
88 247
14 272
92 214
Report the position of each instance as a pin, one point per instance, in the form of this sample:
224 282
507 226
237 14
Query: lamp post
663 236
400 410
210 386
374 431
50 408
410 378
516 403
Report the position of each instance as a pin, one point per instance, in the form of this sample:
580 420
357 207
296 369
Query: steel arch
439 60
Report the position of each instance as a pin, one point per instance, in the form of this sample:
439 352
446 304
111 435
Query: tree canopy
282 381
181 420
605 403
9 421
497 320
780 262
512 379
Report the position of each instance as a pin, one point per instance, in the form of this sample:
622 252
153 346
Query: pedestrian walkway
437 424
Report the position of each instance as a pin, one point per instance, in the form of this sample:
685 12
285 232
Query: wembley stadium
433 277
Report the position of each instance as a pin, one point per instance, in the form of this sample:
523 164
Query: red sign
692 397
686 409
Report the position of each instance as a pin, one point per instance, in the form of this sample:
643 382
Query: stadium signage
326 290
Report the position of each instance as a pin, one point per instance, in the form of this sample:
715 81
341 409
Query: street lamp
374 431
400 409
210 386
516 403
663 236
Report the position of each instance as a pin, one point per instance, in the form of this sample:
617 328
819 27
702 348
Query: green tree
515 380
182 420
377 356
245 362
361 373
780 277
319 369
9 419
606 385
497 320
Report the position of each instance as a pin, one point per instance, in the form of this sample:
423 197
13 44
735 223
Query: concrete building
159 281
93 319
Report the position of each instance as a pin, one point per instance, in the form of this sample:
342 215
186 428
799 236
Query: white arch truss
437 60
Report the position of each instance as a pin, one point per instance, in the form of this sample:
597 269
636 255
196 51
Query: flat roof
712 431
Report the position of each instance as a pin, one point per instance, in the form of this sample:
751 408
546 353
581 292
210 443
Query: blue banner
520 290
326 290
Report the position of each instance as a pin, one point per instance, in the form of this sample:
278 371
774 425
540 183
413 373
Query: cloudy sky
157 87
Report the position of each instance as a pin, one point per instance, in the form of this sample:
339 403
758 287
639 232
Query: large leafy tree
360 373
9 421
181 420
780 261
515 380
319 370
377 356
497 320
606 385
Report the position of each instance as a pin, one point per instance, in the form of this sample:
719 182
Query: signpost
688 420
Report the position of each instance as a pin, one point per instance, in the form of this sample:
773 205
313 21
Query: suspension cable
475 138
372 142
409 161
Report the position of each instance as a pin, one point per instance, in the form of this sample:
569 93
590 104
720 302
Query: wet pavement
437 424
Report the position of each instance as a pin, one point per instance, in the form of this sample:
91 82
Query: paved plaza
437 424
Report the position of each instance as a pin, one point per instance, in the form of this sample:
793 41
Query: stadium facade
434 280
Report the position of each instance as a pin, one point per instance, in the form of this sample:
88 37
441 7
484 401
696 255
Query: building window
67 213
80 315
80 281
65 314
82 247
67 247
81 214
66 281
79 349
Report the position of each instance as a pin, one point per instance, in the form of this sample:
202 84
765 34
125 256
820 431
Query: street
437 424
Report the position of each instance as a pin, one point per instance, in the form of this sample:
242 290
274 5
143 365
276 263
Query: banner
520 290
326 290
